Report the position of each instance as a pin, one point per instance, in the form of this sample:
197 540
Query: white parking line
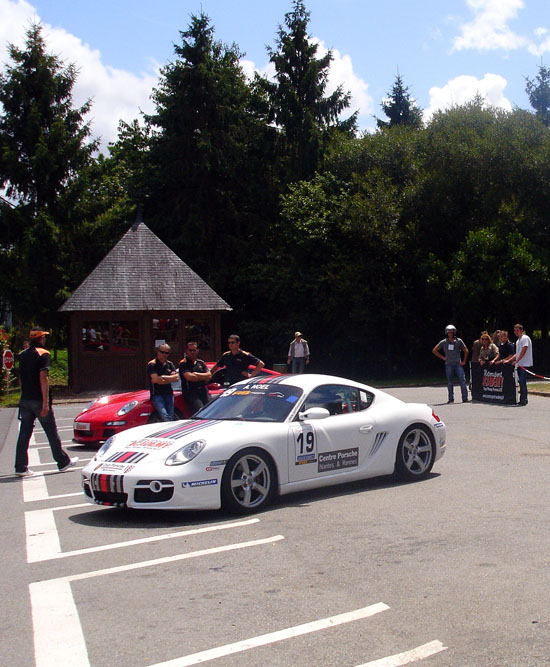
43 540
45 445
53 606
271 637
51 463
35 488
34 457
418 653
42 535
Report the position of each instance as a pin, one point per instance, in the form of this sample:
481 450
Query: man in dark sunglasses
237 361
162 373
194 375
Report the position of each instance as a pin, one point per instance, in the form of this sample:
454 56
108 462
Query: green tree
538 91
306 117
208 166
400 107
44 150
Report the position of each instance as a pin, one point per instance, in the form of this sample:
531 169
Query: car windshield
253 402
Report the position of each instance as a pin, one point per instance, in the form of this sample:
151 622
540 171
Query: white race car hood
156 442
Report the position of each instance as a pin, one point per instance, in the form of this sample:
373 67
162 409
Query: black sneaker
451 400
465 400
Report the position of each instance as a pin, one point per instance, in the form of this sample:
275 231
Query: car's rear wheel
415 453
249 481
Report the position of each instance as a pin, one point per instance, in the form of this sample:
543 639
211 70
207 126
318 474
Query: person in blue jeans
523 360
162 373
454 353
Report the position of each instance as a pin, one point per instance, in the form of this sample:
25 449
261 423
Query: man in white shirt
524 359
298 354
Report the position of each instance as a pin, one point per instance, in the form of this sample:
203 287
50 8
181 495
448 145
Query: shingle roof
142 273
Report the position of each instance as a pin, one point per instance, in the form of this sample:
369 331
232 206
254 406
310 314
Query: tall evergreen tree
538 91
400 107
44 148
205 153
300 108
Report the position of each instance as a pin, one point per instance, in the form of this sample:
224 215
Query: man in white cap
36 403
454 353
298 354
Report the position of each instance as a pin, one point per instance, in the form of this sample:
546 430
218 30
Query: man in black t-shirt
237 361
162 373
506 349
36 403
194 375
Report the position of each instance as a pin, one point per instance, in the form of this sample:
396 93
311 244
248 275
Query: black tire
249 481
415 453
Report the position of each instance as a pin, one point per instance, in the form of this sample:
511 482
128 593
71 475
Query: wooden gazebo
140 294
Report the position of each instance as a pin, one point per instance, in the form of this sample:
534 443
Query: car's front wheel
415 453
249 481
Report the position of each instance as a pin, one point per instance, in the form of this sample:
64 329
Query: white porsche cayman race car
262 437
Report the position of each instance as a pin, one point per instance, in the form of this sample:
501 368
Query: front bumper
157 487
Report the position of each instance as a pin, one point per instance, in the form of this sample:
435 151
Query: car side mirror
314 413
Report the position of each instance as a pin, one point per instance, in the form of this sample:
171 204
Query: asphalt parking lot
450 571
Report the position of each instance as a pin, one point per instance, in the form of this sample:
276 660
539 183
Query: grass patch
59 376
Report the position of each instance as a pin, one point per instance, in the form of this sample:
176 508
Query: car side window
338 399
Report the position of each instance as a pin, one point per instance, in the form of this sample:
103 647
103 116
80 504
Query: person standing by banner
488 350
452 349
506 349
524 360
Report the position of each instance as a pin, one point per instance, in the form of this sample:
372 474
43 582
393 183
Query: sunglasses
164 351
231 342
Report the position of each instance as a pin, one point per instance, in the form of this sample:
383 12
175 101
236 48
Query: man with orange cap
36 403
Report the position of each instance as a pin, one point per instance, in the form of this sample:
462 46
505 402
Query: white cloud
341 73
464 88
489 30
543 46
116 94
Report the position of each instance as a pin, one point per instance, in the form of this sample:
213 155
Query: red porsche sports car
107 415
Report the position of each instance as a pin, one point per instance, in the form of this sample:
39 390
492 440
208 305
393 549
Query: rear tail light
435 417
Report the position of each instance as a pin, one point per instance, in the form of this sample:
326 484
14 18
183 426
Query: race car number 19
306 445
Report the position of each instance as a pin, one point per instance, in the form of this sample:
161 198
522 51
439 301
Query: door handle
366 428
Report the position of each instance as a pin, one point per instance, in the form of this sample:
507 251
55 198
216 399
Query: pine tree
538 92
300 108
44 148
400 107
204 140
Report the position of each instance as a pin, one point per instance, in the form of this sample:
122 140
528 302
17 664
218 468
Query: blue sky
445 50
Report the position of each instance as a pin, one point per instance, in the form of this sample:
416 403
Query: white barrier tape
533 374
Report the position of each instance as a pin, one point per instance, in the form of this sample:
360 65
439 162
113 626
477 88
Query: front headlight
101 400
186 453
104 448
126 408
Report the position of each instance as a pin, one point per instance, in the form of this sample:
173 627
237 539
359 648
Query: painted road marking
418 653
271 637
43 538
53 605
51 463
35 488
